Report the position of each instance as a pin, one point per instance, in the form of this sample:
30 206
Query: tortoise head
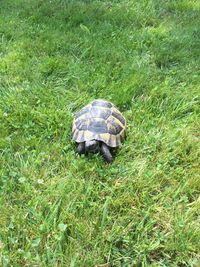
92 146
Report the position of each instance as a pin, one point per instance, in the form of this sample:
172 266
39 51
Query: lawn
60 209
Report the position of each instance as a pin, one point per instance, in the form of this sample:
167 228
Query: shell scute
103 113
102 103
119 116
98 126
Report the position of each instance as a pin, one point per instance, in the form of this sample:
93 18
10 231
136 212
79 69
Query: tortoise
99 127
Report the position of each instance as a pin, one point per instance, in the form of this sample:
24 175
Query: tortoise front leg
106 152
81 148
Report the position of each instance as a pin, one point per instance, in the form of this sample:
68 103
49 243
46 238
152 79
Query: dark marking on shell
101 103
97 127
85 116
81 124
111 128
113 121
82 111
115 129
100 113
119 117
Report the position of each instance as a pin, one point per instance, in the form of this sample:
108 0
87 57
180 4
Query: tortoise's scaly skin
100 120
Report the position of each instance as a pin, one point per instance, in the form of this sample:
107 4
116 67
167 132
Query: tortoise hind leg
81 148
106 152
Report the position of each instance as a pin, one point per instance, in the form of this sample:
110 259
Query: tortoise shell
100 120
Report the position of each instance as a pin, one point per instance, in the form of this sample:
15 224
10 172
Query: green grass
59 209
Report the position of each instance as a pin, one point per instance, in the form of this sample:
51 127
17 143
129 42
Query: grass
59 209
